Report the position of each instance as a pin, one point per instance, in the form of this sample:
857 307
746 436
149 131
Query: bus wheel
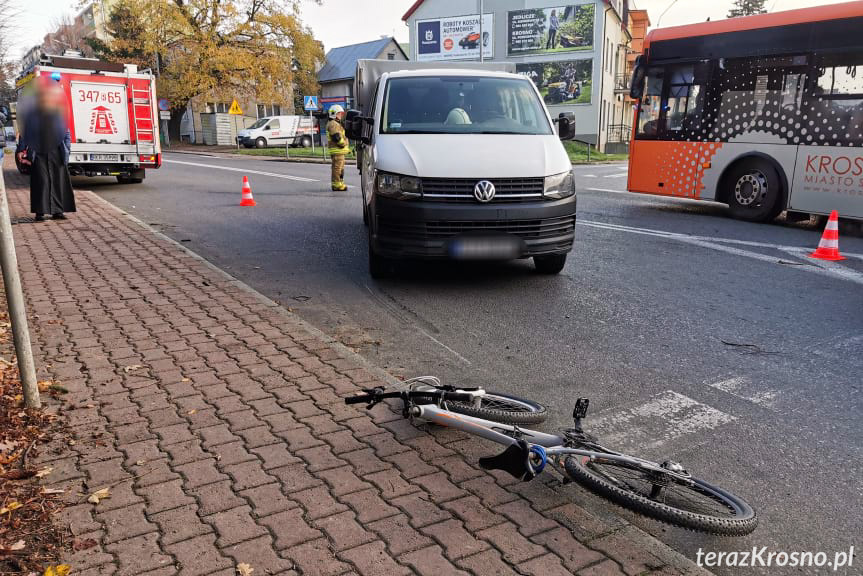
753 191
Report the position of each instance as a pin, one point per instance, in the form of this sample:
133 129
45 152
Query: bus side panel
784 155
669 168
828 178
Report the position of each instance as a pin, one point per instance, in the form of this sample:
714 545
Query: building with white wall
575 52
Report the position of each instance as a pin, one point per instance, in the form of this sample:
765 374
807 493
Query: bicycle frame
554 445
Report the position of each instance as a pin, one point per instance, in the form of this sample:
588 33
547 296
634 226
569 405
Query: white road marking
662 418
830 269
243 170
624 175
588 175
742 387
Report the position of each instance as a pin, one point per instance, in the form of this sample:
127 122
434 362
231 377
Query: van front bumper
421 229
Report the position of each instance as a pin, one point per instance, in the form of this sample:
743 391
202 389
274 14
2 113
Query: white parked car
278 131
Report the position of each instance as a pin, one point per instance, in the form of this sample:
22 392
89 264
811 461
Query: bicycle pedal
580 410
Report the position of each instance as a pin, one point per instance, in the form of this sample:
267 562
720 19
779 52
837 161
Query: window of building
277 110
391 56
262 111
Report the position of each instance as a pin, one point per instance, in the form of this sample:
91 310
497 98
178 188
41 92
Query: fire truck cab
111 112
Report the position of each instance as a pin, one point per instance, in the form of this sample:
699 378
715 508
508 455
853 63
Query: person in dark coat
45 143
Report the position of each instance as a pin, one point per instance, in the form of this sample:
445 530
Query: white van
278 131
462 161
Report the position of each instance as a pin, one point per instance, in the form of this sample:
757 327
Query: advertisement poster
550 30
101 112
457 38
561 82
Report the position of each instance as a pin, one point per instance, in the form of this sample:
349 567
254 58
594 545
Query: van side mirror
267 127
636 86
353 125
566 126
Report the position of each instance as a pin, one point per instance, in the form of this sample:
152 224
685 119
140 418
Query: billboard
568 82
457 38
550 30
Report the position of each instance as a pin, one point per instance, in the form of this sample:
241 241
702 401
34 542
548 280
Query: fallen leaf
190 412
11 506
44 472
44 385
244 569
186 380
19 545
78 544
59 570
140 462
18 474
128 369
99 495
51 491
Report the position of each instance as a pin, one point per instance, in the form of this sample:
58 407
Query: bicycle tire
743 521
502 408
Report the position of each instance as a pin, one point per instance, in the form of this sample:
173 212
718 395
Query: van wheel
551 264
379 267
753 191
261 142
306 142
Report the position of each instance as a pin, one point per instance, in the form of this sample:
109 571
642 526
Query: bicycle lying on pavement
666 491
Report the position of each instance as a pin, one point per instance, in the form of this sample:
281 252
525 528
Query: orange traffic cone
828 248
247 193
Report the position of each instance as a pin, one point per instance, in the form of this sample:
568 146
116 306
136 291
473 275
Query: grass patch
294 153
578 154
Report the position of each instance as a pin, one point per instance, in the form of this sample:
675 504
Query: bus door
829 169
666 155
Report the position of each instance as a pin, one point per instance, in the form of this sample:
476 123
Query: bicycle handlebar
373 396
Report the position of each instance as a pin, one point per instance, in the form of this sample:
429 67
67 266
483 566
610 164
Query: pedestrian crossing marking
663 417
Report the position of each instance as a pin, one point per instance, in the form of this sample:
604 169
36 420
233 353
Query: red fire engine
112 115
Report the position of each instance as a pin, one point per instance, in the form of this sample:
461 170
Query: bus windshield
463 105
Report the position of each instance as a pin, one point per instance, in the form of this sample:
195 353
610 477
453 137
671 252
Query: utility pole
481 45
17 309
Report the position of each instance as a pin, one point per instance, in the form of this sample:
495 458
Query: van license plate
104 157
486 248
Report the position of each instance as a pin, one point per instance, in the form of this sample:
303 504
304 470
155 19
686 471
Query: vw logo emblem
484 191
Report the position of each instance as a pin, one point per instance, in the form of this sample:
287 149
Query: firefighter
339 146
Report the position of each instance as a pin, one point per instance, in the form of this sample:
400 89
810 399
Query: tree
747 8
220 49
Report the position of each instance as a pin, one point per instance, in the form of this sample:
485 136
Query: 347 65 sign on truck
112 115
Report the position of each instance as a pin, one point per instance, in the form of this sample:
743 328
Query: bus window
683 98
839 94
651 105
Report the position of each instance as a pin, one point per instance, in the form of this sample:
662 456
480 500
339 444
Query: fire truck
111 111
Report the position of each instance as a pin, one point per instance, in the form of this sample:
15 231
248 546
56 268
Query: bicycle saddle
517 461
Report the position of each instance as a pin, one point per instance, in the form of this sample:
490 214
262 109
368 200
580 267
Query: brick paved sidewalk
216 420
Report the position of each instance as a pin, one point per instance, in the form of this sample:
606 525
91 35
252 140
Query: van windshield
260 123
462 105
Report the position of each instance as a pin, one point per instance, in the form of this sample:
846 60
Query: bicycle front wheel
693 503
502 408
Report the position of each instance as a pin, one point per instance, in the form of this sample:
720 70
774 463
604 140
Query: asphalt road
709 341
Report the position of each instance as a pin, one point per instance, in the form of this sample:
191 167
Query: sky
342 22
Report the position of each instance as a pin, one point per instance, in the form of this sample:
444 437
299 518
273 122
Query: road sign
310 103
164 104
165 114
235 108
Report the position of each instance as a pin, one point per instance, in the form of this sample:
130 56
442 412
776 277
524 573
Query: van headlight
559 186
398 187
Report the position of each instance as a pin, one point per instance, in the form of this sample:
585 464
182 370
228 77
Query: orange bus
763 113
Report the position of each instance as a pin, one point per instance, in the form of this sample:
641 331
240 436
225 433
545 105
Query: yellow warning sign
235 108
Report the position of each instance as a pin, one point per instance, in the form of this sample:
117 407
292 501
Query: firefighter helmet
335 110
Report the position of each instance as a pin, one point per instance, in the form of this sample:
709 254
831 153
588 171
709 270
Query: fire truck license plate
104 157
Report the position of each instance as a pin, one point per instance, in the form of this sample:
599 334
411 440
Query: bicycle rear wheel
502 408
696 504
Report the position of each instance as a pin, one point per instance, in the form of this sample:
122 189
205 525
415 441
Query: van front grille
461 189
